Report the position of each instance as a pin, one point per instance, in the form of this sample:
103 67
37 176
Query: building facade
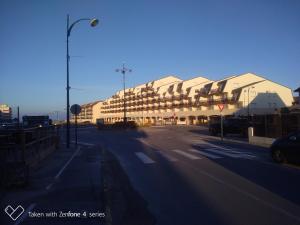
5 113
172 100
89 112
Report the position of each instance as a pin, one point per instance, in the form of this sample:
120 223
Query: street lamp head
94 22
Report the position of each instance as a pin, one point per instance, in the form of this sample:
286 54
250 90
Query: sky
187 38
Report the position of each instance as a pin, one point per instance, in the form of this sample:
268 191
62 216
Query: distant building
5 113
297 98
193 101
90 112
295 108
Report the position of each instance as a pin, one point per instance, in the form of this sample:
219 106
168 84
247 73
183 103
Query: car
287 148
230 125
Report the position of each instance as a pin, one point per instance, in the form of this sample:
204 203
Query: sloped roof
90 103
297 90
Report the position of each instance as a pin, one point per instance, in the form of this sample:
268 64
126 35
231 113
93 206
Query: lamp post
123 70
248 106
93 23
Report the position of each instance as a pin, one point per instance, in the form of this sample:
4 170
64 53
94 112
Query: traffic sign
221 107
75 109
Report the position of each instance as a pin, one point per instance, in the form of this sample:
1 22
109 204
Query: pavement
65 185
181 174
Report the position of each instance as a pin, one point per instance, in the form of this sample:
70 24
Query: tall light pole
93 23
248 106
123 70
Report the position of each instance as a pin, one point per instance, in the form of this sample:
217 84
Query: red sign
221 107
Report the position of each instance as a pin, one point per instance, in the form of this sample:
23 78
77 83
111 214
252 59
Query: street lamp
93 23
123 70
248 106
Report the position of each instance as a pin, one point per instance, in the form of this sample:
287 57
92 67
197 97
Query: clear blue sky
211 38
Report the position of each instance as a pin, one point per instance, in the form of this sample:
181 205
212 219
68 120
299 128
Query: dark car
230 126
286 149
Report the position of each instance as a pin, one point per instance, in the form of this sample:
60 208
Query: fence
274 126
21 149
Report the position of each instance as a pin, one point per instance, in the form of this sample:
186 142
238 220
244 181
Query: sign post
221 107
75 110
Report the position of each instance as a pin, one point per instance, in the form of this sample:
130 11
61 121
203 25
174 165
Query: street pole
221 127
18 115
76 130
123 70
93 23
248 109
68 87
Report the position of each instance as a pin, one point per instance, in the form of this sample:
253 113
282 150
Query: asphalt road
185 176
188 177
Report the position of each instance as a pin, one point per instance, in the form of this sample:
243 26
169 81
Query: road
185 176
188 177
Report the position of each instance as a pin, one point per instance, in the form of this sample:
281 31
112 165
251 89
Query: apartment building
89 112
5 113
172 100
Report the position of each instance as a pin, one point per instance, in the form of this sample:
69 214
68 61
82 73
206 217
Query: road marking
145 159
147 143
241 154
205 145
190 156
83 143
222 153
49 186
64 167
168 157
25 214
205 154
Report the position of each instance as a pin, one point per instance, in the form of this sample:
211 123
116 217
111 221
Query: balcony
202 92
147 89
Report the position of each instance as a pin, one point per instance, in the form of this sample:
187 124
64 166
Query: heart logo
14 214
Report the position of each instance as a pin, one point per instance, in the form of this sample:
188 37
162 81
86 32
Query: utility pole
123 70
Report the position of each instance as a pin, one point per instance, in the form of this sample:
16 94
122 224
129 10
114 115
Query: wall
260 141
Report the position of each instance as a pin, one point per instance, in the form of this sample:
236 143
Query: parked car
286 149
230 126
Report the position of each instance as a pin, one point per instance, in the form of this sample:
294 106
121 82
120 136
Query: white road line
202 145
242 154
83 143
168 157
205 154
49 186
190 156
64 167
147 143
25 214
145 159
223 153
